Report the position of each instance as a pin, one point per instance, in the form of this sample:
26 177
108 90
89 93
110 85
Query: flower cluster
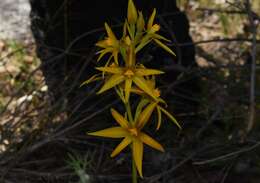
127 76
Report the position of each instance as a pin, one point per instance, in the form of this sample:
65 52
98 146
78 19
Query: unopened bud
155 28
131 13
127 41
140 22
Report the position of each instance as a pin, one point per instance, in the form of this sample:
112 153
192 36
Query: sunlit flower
132 134
128 75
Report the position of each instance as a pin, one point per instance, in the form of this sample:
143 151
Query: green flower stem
129 112
131 119
134 172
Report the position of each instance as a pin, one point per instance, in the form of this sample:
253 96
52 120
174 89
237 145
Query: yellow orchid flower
152 36
128 75
147 99
109 45
132 134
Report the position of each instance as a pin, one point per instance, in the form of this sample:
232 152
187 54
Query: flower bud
155 28
132 13
127 41
140 22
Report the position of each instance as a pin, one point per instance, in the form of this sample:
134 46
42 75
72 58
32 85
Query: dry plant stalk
252 105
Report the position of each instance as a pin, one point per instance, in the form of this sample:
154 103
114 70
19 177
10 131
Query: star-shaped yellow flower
132 134
128 75
153 36
109 45
151 101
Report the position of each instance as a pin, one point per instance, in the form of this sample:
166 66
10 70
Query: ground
14 18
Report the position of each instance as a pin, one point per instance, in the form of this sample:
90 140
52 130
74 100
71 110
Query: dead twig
251 117
229 155
218 40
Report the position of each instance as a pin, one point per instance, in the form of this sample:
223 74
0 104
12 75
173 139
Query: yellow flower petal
110 33
93 78
151 142
166 48
103 52
157 36
145 40
147 72
106 65
145 115
128 85
112 70
102 43
152 82
137 91
151 20
162 101
159 114
115 55
140 107
125 142
138 150
131 12
119 119
170 116
141 83
114 132
120 93
111 82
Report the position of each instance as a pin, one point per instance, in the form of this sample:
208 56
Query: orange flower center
109 41
133 131
157 92
113 65
129 73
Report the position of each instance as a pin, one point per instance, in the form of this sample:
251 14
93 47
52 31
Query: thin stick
251 117
229 155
